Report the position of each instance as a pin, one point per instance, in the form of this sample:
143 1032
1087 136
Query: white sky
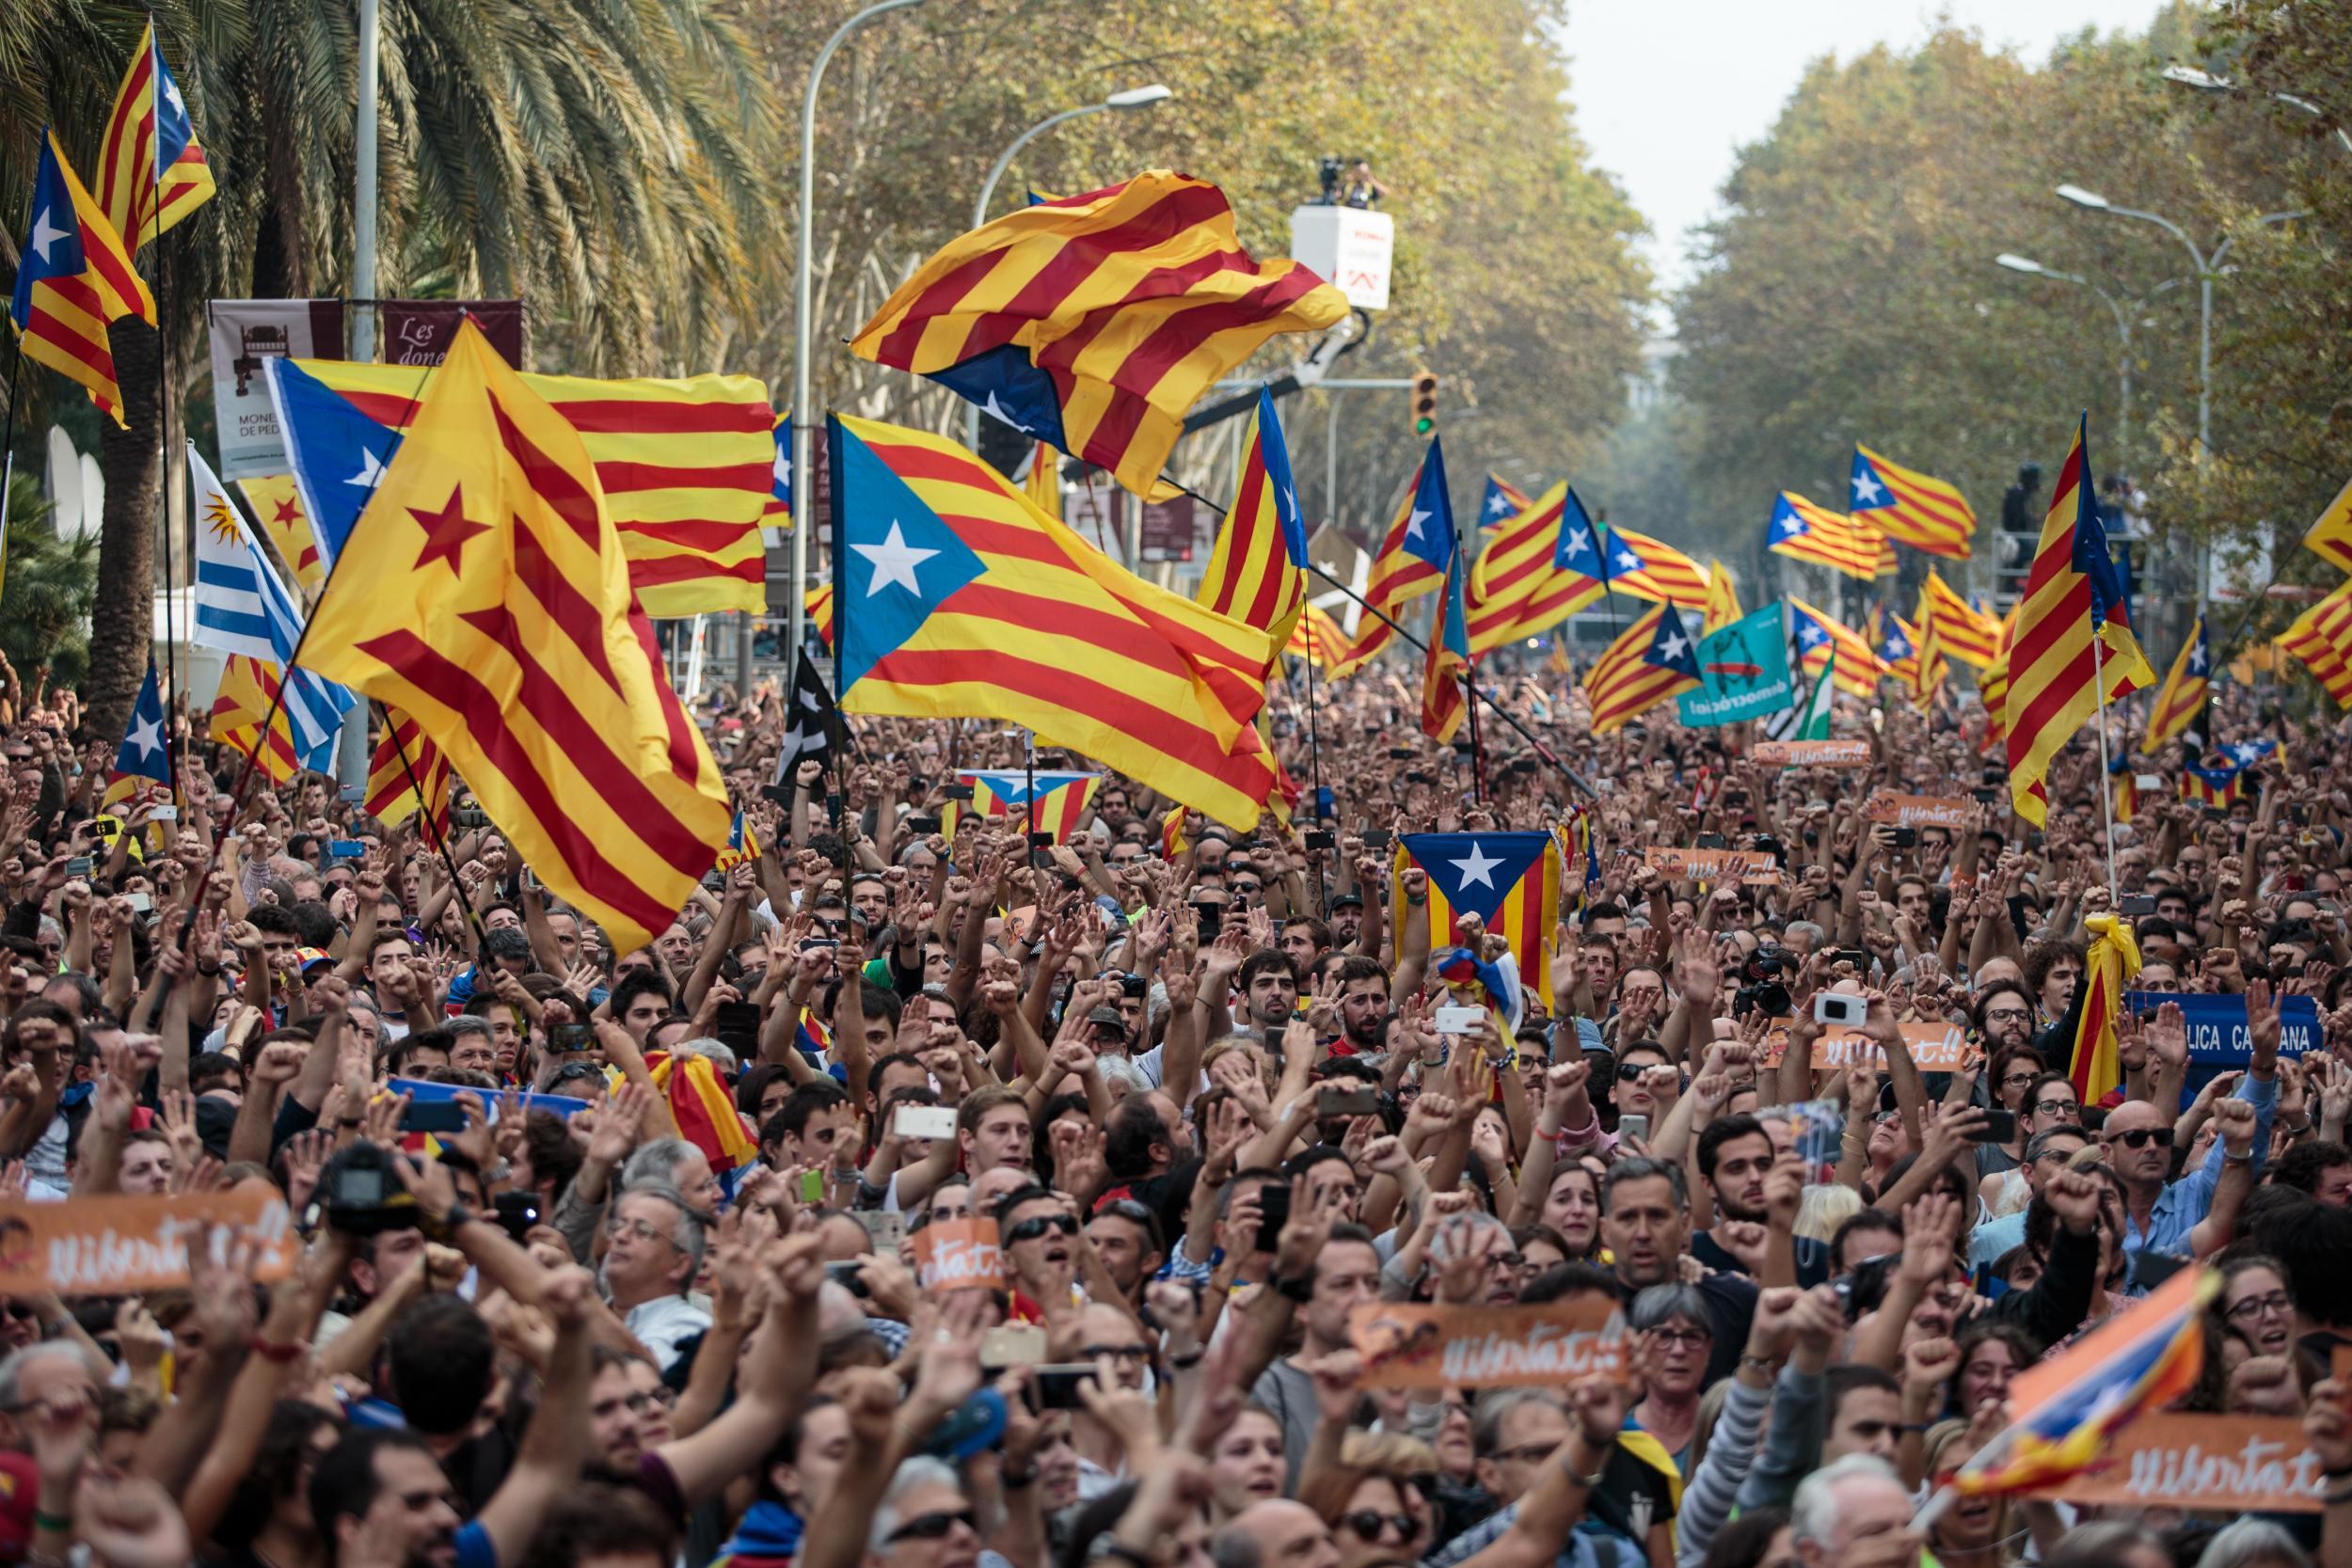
1667 91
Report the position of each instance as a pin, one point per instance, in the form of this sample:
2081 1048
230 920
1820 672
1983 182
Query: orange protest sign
959 1255
1411 1346
1714 865
2231 1463
1934 1047
1815 753
103 1246
1919 811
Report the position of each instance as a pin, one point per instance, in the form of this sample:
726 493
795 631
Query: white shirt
661 1322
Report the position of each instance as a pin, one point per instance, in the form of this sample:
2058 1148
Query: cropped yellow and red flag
1818 634
705 1114
2072 620
1398 573
1913 508
1652 569
1722 599
2330 538
1966 634
248 694
485 593
404 749
1651 660
1258 572
1317 638
2321 639
1539 566
2181 697
961 598
277 505
1096 322
1802 531
687 470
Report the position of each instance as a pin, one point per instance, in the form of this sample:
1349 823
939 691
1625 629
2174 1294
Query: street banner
1714 865
1919 811
2218 1036
2225 1464
1744 673
244 333
1559 1345
1814 753
417 331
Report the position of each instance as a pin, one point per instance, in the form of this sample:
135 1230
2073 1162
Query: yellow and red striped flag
1258 572
391 797
1641 668
2321 638
1398 573
1909 506
1819 635
1446 665
1929 669
818 603
687 468
150 170
1967 633
1043 483
705 1114
1510 881
485 593
2073 597
1993 684
2330 538
1173 841
1722 599
1651 569
74 277
1096 322
2108 972
970 602
2181 697
277 505
2219 787
1526 580
1504 500
249 688
1317 637
1804 531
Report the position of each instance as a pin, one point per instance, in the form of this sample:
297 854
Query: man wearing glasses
653 1250
2160 1216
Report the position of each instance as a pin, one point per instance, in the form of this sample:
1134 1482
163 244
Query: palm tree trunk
122 621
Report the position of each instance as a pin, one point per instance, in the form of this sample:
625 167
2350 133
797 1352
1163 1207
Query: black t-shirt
1812 1259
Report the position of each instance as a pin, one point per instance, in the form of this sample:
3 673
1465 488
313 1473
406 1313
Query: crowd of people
615 1257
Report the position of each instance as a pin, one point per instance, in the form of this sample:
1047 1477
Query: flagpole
2106 794
162 441
1314 756
7 452
438 839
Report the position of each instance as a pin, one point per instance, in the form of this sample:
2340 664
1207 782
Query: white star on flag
1672 649
894 560
2197 661
1867 490
1412 524
145 736
371 470
1789 527
1479 867
1627 561
1813 637
1898 648
46 232
784 466
1579 545
992 407
1498 503
1287 505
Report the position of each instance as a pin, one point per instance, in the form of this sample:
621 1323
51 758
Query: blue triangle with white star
1670 646
1865 490
142 753
1008 387
897 560
1429 533
338 454
1579 547
1476 872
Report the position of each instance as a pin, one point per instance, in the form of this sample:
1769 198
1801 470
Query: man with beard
1735 1157
1364 1006
2004 1015
380 1498
1269 989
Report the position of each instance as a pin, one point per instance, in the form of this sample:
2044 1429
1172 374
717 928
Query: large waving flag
487 598
1095 322
151 171
242 607
2073 598
2182 698
1509 881
338 453
2321 639
1818 634
1405 568
407 772
1967 634
1913 508
1722 598
1651 660
957 596
1503 502
247 698
2069 1406
686 469
1258 572
142 769
1804 531
1650 570
2331 537
1005 794
1539 566
73 278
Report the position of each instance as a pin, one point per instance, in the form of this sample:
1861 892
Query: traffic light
1424 404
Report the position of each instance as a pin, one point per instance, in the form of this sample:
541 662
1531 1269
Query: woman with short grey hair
1674 1336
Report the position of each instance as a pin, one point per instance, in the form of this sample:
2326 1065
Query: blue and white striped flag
242 607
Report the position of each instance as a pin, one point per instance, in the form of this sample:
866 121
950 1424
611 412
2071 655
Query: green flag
1813 723
1744 673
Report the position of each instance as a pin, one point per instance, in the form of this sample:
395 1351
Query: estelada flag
1539 566
2181 697
1062 798
1258 571
1096 322
485 595
1511 882
1805 532
1407 568
1915 509
150 170
73 278
2321 639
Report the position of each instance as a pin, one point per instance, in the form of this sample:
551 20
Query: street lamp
1130 98
2206 268
2205 81
2124 315
803 345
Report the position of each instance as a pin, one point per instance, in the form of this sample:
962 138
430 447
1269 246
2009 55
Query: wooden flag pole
2106 794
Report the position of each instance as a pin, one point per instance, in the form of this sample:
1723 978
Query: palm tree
602 159
45 604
